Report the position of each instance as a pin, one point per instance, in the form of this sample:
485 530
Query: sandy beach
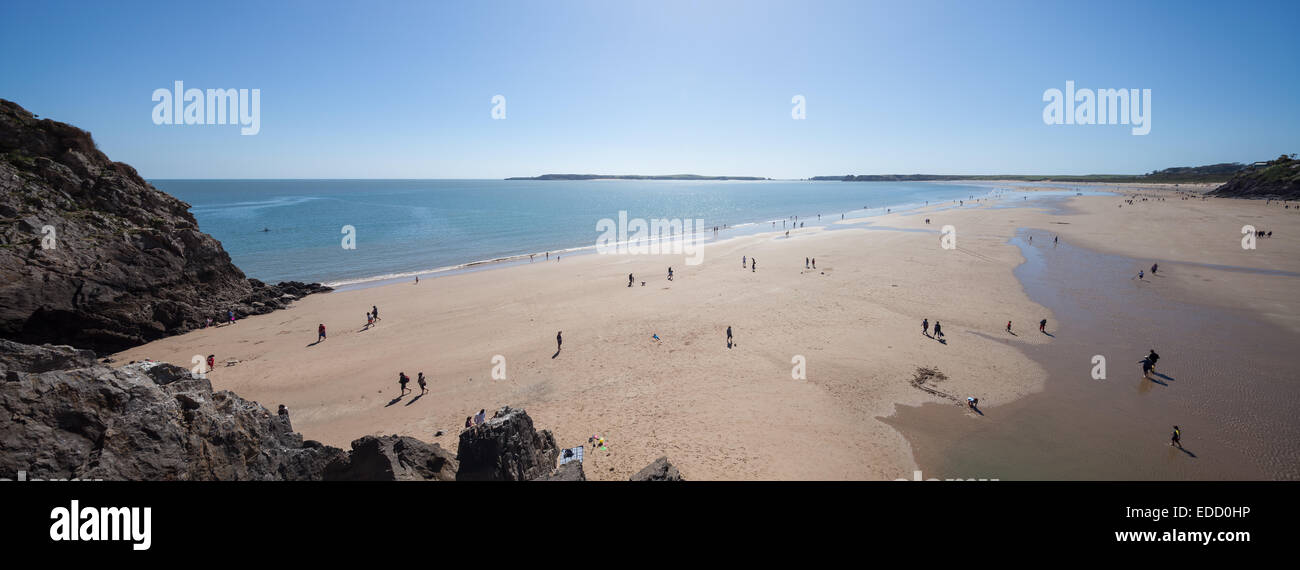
737 413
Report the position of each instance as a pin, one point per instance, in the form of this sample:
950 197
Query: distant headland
634 177
1182 174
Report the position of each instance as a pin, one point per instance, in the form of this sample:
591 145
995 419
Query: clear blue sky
403 89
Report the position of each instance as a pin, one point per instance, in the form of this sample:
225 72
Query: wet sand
1225 376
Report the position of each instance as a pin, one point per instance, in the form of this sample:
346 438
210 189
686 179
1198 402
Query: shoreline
746 228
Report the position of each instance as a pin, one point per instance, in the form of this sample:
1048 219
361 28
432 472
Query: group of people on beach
938 329
476 419
372 317
403 380
230 319
1154 267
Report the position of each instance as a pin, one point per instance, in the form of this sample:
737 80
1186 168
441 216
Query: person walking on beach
1147 366
558 341
629 279
1140 274
925 327
420 380
1056 239
753 265
212 362
938 331
320 332
805 263
375 309
1154 267
814 263
1176 438
1153 357
670 273
1042 326
1008 326
231 314
743 263
402 380
729 342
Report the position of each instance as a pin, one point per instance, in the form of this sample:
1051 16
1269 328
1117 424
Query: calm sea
279 230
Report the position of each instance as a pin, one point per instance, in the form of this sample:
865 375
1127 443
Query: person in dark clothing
402 380
1176 438
729 343
1146 367
925 327
420 380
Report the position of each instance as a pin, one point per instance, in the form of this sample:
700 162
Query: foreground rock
128 263
660 470
506 448
571 471
144 421
393 458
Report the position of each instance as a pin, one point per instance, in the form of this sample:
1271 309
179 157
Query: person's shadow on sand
1166 377
976 409
1184 450
1153 379
394 401
313 344
1048 334
557 353
413 400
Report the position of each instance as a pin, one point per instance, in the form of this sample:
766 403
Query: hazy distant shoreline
634 177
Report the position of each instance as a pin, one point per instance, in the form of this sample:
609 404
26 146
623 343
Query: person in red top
212 362
320 332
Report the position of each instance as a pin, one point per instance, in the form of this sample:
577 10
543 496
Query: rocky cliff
95 257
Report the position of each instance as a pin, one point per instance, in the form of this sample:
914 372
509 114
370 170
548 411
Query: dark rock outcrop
129 264
1277 179
144 421
506 448
152 421
571 471
393 458
660 470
